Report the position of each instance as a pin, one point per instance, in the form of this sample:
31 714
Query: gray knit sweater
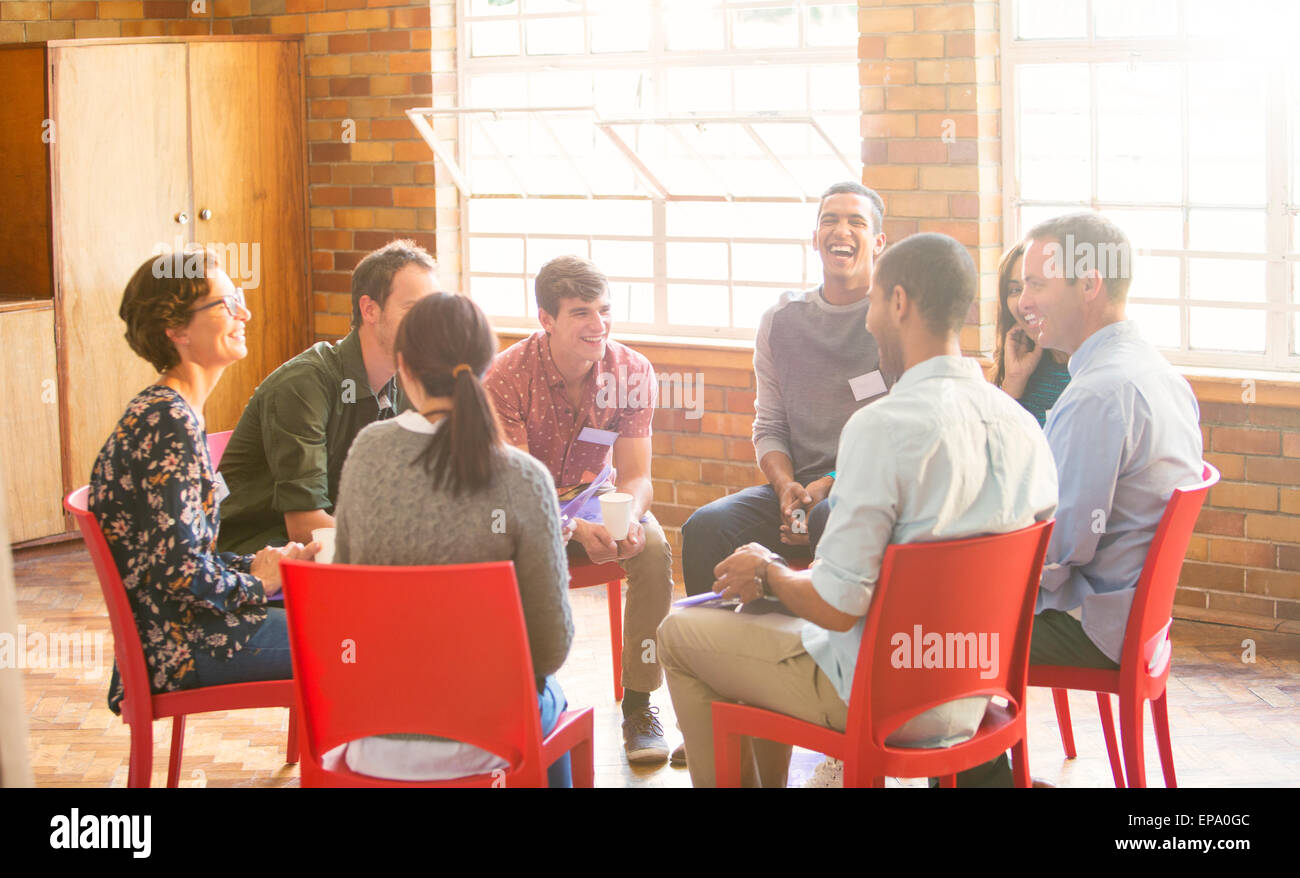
389 512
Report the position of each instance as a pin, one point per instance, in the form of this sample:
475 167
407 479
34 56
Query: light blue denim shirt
945 456
1124 434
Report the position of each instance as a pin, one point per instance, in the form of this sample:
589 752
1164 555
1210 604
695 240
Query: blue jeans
749 516
551 702
264 657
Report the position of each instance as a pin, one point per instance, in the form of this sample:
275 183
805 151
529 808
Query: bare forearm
299 525
778 468
643 494
795 589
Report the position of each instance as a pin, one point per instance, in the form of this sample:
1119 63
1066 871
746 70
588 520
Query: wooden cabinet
122 149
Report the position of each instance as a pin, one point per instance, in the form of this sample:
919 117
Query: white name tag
220 489
868 385
599 437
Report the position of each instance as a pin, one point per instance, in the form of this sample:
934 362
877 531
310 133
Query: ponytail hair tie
455 373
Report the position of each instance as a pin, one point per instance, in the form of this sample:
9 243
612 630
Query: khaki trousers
649 596
715 655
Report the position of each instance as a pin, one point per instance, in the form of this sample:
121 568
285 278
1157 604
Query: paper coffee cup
616 511
324 536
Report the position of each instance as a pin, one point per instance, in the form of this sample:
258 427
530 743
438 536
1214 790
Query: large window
1176 118
680 144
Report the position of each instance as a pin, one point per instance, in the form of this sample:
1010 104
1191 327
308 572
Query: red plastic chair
586 573
139 711
433 650
1145 659
983 585
217 443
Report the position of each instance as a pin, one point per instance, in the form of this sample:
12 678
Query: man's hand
266 563
634 543
795 501
1022 357
739 576
596 540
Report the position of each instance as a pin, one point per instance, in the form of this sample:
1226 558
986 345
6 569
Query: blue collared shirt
945 456
1125 433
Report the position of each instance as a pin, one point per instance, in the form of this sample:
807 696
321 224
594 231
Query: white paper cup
616 511
324 536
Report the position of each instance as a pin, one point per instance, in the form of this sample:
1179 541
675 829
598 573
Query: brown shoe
679 755
643 737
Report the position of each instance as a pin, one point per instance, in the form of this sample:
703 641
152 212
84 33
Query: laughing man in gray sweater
816 364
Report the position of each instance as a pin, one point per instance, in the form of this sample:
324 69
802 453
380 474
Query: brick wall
931 105
28 21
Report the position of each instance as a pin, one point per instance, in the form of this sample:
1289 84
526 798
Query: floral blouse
153 490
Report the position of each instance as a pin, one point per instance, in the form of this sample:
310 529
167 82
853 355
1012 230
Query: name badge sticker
221 489
868 385
598 437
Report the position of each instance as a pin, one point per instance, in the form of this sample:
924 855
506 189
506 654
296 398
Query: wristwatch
762 577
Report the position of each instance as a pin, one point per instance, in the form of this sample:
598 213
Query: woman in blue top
202 615
1019 365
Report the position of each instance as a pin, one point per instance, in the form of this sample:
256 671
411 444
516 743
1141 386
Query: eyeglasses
234 303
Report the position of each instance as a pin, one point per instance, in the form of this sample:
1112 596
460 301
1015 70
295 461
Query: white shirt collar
417 423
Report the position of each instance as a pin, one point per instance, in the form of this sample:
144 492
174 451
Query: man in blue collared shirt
945 456
1124 434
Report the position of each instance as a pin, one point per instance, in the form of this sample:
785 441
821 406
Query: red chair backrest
1153 602
980 587
217 443
126 636
437 651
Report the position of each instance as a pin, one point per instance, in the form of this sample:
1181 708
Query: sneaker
643 737
679 755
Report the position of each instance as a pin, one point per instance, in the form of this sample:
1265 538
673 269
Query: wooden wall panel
121 166
24 176
29 425
246 111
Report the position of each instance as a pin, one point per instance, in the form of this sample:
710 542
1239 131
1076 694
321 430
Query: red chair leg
140 772
1061 698
1112 746
583 766
1160 719
1131 716
1020 764
726 757
291 746
178 748
614 593
948 781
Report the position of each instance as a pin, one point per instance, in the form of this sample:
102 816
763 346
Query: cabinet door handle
182 217
205 214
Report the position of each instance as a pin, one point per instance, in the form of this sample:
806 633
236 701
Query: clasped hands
266 563
795 496
741 575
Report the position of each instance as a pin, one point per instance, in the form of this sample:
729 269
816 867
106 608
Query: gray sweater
805 354
389 512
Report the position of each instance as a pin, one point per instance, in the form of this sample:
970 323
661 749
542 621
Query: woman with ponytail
437 485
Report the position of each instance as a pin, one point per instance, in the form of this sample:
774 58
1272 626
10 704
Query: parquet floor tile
1235 723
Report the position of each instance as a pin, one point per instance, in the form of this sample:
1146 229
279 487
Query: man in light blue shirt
1124 434
945 456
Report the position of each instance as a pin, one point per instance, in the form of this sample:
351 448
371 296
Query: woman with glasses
202 615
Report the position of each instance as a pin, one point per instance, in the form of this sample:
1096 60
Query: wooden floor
1234 723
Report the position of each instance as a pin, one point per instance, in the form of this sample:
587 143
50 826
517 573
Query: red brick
730 474
1288 557
677 469
1230 466
1188 598
61 10
1213 576
414 196
1268 416
1278 528
167 9
691 494
331 281
741 401
698 446
329 109
1241 552
346 260
1227 524
349 86
911 152
661 444
1236 603
372 196
728 425
390 41
408 18
1291 444
1276 470
1273 583
331 239
674 421
352 173
329 152
1231 495
329 196
1288 609
741 449
341 44
1246 441
1224 413
672 516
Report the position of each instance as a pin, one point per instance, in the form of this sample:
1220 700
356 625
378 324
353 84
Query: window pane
749 303
697 304
624 258
706 89
831 26
493 7
778 220
1226 329
761 89
1135 18
1150 229
555 36
1139 133
553 6
543 250
499 296
773 263
706 261
692 25
1156 277
510 90
496 255
1051 19
1159 324
493 38
764 28
834 88
626 31
1226 280
1033 214
632 302
1226 133
1054 132
1241 231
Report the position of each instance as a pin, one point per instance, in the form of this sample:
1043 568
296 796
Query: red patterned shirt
527 389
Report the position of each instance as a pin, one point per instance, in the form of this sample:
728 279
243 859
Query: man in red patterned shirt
548 389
